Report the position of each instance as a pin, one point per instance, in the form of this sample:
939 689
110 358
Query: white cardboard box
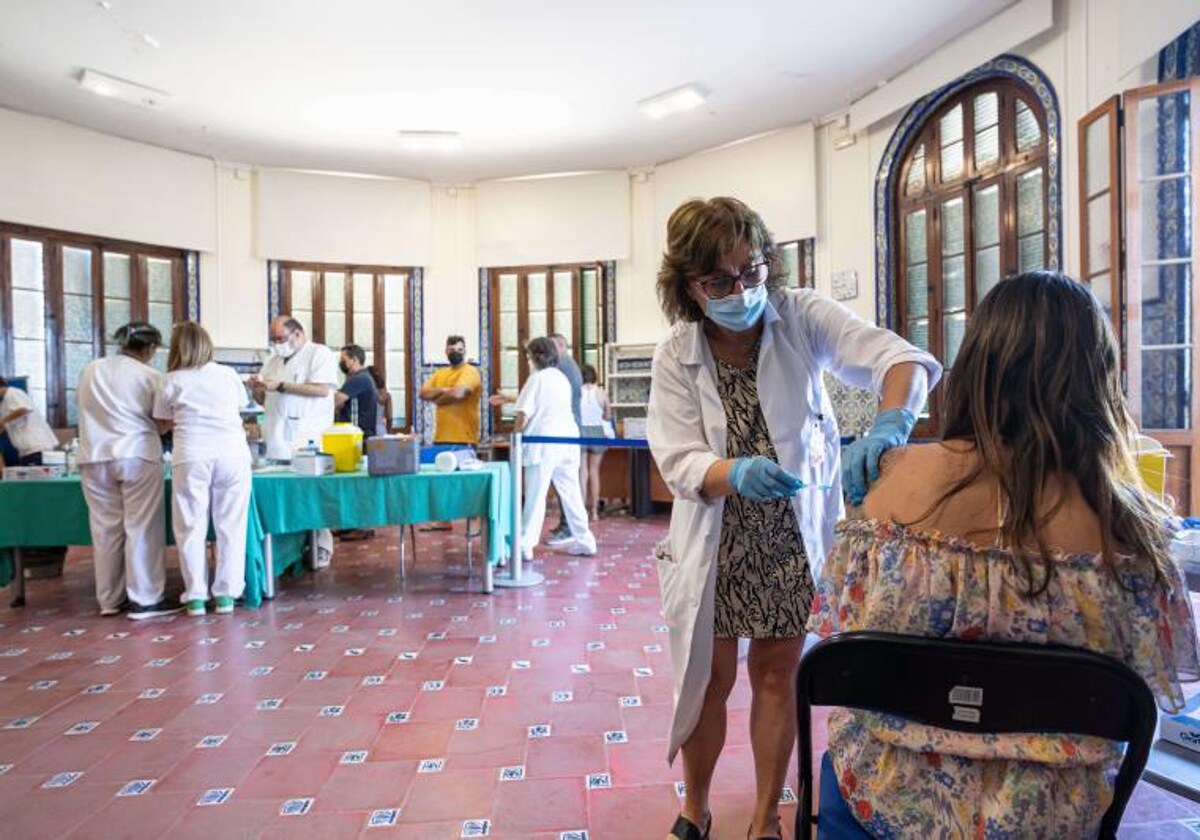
1184 728
34 473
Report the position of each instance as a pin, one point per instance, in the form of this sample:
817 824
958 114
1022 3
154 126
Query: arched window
967 193
972 209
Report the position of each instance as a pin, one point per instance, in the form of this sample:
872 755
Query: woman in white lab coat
544 409
120 464
743 432
201 400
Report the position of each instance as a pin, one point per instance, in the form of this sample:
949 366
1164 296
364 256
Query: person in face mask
357 400
454 391
744 435
296 386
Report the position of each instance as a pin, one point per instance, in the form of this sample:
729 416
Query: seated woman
1027 523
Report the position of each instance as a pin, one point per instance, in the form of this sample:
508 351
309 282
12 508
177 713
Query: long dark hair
1036 389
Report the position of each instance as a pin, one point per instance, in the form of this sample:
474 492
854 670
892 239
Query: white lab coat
291 420
804 334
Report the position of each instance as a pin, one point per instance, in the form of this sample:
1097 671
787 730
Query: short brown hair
542 353
699 234
190 347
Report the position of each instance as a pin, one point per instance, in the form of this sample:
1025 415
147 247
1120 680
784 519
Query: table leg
268 568
485 537
402 552
313 549
19 579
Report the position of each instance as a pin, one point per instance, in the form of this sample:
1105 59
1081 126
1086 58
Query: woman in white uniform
27 430
120 464
210 467
544 409
744 435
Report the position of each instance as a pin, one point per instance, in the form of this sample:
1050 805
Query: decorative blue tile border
274 292
416 318
610 301
485 350
191 294
1009 67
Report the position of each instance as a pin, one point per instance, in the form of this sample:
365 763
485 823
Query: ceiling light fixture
682 98
114 87
431 141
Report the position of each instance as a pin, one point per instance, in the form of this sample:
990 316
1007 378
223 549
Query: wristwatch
279 387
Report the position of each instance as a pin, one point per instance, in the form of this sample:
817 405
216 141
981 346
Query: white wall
639 319
452 276
305 216
570 218
233 281
60 176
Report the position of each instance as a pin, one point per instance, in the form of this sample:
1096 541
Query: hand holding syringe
760 479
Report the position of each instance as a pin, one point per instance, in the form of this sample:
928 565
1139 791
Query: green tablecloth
54 513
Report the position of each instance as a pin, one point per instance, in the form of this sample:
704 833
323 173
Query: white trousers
125 513
222 486
563 473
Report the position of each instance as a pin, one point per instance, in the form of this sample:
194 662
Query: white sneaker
583 547
527 554
323 557
554 540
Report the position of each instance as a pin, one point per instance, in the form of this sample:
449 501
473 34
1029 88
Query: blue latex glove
760 479
860 461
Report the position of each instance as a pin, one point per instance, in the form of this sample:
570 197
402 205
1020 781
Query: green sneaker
224 604
195 607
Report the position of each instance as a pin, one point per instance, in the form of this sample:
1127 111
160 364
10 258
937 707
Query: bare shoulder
913 478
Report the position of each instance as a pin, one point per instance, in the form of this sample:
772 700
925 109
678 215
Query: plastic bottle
73 456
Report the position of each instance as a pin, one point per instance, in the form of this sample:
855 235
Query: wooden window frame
1181 442
53 242
316 330
1010 165
1110 109
499 422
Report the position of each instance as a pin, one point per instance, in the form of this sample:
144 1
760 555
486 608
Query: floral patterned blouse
904 779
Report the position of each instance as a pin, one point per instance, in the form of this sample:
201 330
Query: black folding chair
983 687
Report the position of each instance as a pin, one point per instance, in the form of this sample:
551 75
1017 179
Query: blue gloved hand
860 461
760 479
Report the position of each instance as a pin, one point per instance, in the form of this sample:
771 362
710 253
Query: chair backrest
985 687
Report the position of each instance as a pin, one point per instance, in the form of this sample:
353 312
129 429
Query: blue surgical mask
738 312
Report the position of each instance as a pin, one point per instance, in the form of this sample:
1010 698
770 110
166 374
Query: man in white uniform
27 430
296 386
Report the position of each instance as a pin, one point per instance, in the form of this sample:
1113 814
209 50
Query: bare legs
589 481
772 666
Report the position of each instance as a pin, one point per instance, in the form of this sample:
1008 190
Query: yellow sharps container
344 441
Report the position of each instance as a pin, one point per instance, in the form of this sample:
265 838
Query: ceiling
534 86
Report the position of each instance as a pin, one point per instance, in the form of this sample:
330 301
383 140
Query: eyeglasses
721 285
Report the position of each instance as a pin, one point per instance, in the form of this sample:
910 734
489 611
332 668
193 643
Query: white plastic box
312 463
1184 728
34 473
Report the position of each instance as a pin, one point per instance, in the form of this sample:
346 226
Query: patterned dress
764 587
904 779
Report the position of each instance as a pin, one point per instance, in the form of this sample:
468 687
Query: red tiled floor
362 625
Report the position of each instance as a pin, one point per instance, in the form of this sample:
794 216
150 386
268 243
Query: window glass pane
1096 138
1099 233
564 294
1167 389
987 147
305 317
77 317
26 262
77 357
1029 202
987 216
29 314
395 368
915 183
364 331
158 279
591 356
918 333
987 271
1031 252
335 309
393 327
954 282
161 315
508 293
302 286
395 290
952 162
952 227
77 271
116 280
1101 285
509 369
538 324
987 110
1164 204
790 253
29 359
536 291
1161 117
364 292
116 314
915 237
1167 304
917 297
950 126
509 329
589 306
1029 133
954 326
